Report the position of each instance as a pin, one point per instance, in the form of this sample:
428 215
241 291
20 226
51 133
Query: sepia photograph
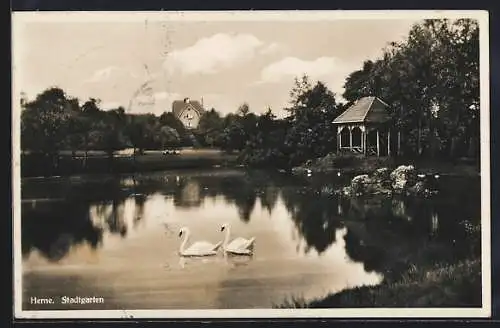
254 164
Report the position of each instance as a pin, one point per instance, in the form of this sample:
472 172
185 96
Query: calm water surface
117 238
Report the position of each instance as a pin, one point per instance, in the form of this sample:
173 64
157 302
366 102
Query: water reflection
119 215
326 240
54 232
316 215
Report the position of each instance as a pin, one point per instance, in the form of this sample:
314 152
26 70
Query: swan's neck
184 242
226 237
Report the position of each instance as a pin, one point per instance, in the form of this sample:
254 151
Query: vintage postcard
251 164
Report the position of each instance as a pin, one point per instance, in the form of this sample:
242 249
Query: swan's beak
180 233
222 229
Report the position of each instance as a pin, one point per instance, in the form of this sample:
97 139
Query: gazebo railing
359 150
354 149
371 151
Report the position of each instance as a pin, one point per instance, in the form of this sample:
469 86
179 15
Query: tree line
54 121
430 80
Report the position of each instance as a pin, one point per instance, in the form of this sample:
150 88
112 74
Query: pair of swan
238 246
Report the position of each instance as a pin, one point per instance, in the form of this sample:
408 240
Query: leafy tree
211 128
233 136
243 110
91 107
44 121
265 145
311 133
136 133
431 79
167 136
169 119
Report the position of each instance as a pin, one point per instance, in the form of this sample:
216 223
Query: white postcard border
19 18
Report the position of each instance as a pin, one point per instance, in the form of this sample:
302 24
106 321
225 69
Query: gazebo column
339 139
399 142
350 138
378 144
389 142
363 139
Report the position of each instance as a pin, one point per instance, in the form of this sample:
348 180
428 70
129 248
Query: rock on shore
403 181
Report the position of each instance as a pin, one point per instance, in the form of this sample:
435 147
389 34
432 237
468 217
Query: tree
233 136
310 133
265 145
91 107
169 119
456 65
431 79
136 131
211 127
307 132
301 86
167 137
243 110
357 84
44 121
77 129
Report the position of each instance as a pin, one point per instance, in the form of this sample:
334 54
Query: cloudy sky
224 62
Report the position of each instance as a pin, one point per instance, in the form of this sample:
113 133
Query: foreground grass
457 285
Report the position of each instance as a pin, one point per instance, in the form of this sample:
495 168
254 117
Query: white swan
199 248
238 246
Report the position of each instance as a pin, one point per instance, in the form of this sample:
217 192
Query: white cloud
166 96
161 95
329 70
292 66
209 55
105 74
102 74
271 48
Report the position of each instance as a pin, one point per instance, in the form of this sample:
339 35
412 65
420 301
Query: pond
117 238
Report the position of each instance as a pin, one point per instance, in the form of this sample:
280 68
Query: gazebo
365 128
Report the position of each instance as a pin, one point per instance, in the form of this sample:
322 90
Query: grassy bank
98 162
444 285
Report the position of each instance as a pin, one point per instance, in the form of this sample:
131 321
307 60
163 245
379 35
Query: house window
188 117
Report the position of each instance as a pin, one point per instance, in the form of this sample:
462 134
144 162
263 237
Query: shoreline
440 285
357 165
154 161
150 161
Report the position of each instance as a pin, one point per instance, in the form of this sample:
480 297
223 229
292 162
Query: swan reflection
193 261
236 260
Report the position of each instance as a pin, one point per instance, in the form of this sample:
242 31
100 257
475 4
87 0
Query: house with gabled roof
365 127
188 112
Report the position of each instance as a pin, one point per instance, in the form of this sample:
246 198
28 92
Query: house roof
367 109
179 105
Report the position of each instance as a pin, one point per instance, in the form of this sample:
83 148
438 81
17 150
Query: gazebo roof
365 110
